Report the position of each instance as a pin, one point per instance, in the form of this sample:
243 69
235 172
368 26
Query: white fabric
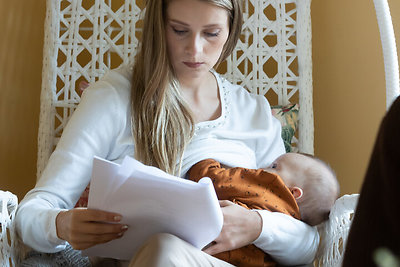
245 135
281 237
166 250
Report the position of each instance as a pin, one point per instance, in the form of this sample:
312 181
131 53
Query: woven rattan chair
83 39
9 251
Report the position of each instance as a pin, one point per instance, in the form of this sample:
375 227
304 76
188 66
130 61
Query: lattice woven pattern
86 38
8 238
334 232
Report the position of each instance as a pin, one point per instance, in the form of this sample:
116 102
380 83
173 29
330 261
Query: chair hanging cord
389 50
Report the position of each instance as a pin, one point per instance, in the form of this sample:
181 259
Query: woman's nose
194 45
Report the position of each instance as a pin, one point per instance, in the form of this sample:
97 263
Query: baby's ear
297 192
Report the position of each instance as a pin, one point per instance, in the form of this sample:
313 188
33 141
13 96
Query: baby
310 182
296 184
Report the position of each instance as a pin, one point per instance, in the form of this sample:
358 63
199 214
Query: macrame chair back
9 252
334 232
83 39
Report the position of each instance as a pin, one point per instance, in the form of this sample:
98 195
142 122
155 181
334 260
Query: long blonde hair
162 123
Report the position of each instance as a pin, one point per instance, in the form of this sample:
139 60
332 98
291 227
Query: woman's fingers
225 203
100 228
84 214
96 222
241 227
214 248
84 228
222 243
84 241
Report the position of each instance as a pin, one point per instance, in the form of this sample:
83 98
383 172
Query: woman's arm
288 240
96 128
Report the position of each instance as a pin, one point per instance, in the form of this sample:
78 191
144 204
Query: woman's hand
84 228
241 227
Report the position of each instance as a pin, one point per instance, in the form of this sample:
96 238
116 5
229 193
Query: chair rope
389 51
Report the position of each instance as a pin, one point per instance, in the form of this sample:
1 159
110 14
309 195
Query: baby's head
311 181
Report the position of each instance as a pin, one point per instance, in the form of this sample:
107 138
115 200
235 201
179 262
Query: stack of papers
152 201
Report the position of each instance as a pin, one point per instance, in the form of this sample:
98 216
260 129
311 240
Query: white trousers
164 250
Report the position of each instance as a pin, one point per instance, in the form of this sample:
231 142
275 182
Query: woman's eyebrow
187 25
178 22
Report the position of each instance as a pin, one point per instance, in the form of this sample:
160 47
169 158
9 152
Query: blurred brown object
376 223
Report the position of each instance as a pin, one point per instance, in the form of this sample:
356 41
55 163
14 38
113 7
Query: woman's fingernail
124 227
117 218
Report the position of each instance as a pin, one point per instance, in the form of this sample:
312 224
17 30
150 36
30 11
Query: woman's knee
163 242
159 250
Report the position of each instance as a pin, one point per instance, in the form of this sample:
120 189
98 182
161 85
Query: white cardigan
245 135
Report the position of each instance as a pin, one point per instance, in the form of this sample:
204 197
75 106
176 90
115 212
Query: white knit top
245 135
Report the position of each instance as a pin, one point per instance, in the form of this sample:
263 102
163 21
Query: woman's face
196 32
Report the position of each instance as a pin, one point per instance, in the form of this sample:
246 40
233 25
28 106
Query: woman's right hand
84 228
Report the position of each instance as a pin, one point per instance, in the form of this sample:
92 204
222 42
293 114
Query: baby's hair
321 189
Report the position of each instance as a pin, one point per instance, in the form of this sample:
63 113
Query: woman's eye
211 34
179 32
274 165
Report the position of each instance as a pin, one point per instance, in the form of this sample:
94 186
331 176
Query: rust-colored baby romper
252 189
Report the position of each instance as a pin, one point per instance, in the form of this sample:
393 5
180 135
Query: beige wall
348 87
21 44
349 84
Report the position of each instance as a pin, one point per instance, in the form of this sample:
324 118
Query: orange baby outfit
252 189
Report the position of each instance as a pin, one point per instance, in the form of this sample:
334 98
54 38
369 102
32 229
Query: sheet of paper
152 201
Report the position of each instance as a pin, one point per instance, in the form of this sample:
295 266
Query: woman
174 112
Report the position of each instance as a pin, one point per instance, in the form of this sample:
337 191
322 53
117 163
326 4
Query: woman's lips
193 65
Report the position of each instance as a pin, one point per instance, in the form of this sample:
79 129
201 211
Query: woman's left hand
241 227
